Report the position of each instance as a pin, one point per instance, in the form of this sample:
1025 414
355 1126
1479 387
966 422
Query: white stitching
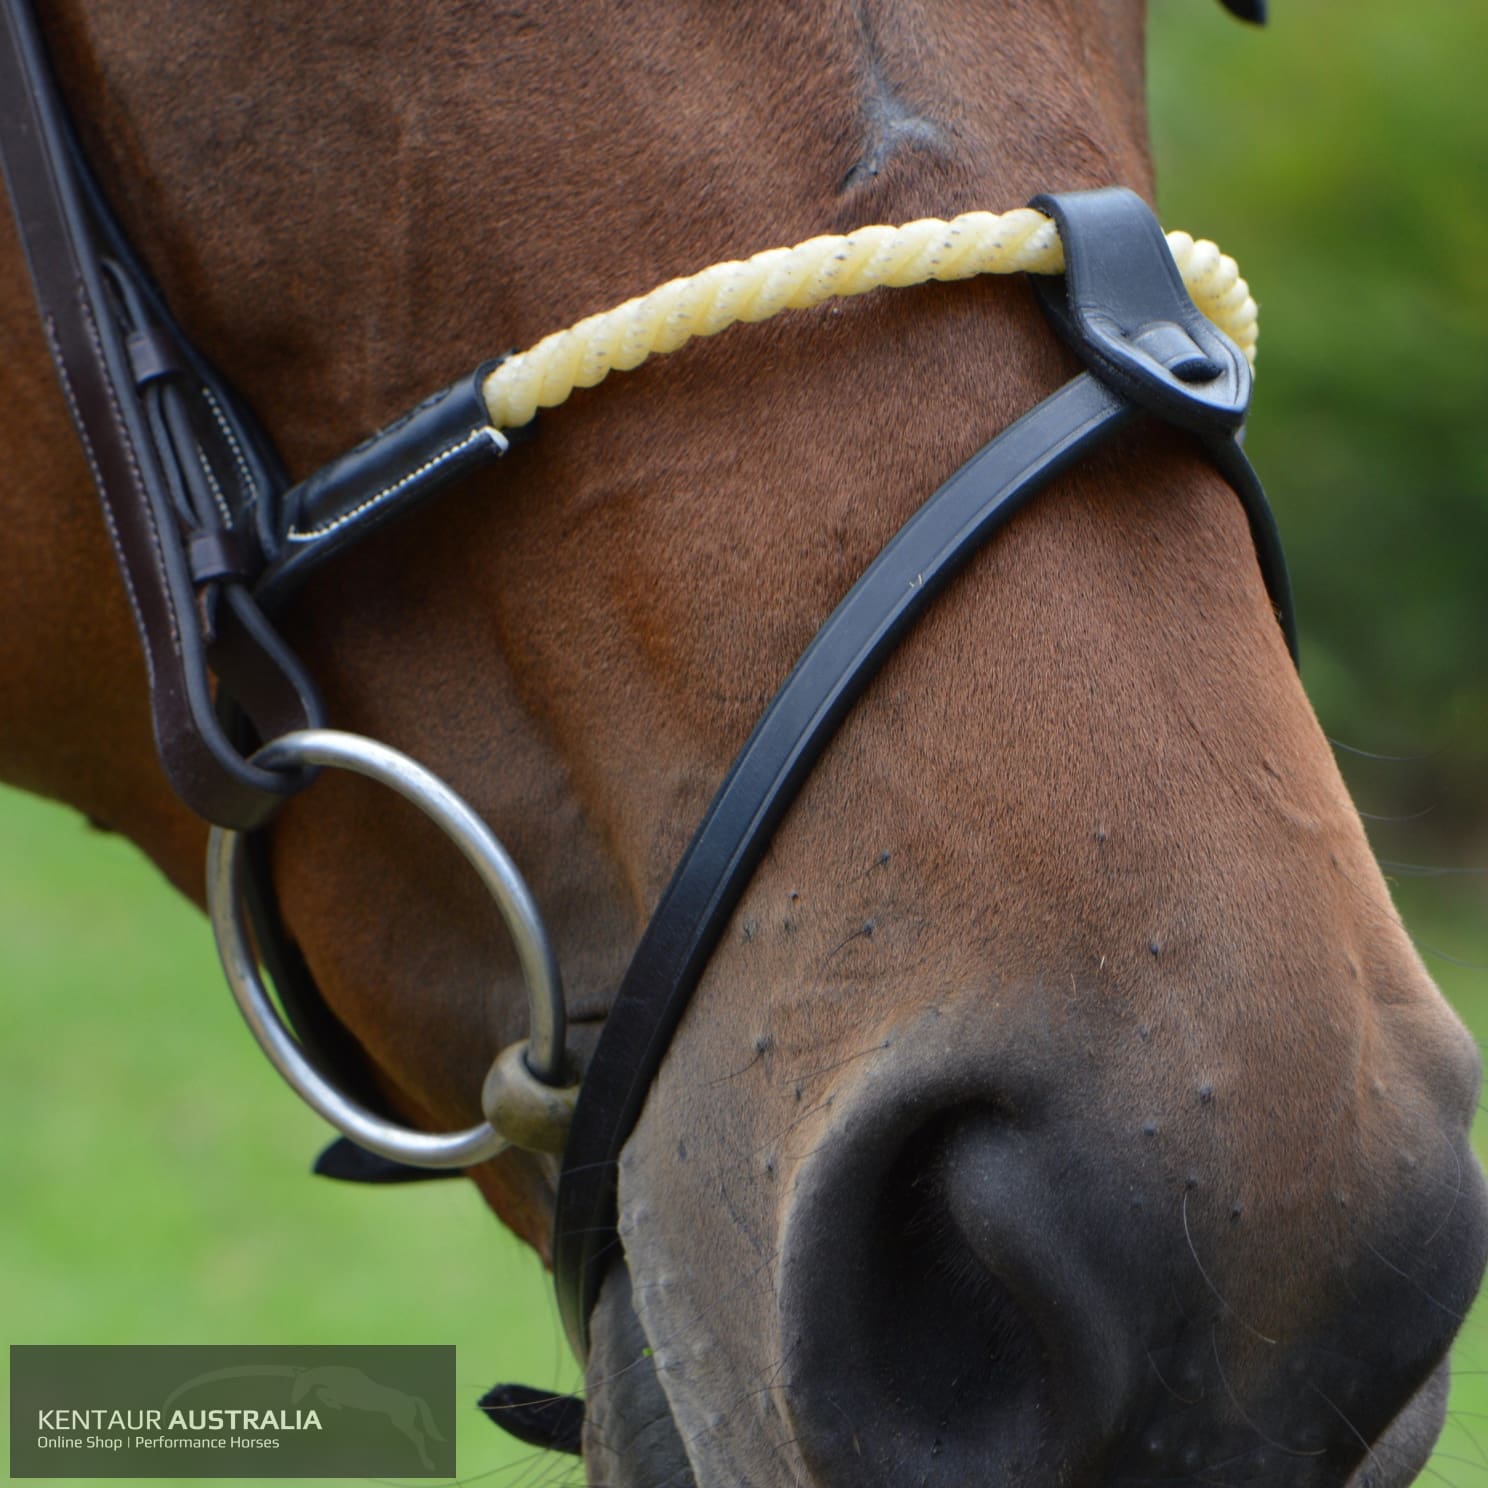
484 432
65 378
211 475
245 472
108 513
139 481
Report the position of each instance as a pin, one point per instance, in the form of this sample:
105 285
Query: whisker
827 1069
1193 1251
1471 1435
1162 1380
1384 1260
1241 1411
1450 959
1353 1430
1389 759
1456 1192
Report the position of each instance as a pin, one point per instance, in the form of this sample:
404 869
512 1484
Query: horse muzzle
1009 1276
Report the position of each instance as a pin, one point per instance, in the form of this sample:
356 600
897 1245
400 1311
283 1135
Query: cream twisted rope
1021 241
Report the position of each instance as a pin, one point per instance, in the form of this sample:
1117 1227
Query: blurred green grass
1341 155
155 1171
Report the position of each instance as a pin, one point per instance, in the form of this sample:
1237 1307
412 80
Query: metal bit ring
543 1053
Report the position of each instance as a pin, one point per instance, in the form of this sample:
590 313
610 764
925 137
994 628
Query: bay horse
1065 1103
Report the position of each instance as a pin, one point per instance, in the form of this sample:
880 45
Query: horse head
1065 1101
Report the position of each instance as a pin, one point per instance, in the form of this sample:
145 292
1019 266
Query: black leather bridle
204 525
1123 308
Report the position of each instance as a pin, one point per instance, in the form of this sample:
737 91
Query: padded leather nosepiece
1253 11
1122 305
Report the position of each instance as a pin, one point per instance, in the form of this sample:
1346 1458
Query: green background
151 1165
1342 156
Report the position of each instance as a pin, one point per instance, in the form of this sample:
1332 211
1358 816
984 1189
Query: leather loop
221 554
152 354
446 436
1122 305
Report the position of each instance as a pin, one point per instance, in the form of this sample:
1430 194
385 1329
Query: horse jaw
632 1437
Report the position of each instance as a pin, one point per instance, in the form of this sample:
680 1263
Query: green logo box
156 1411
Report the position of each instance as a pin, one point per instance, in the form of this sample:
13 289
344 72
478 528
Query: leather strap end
344 1161
1253 11
152 355
537 1417
400 465
222 555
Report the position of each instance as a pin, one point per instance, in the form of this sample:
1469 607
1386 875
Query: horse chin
630 1437
632 1440
1400 1455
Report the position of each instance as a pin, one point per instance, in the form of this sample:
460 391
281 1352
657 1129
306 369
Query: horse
1065 1102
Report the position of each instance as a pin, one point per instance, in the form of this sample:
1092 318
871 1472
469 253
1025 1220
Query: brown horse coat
1073 940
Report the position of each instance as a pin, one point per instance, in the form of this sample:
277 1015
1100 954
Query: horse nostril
950 1295
989 1276
960 1331
935 1325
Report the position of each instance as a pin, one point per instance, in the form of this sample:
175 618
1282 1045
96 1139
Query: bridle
1123 309
212 540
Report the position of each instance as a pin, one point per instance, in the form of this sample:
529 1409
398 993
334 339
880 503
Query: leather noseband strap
1123 308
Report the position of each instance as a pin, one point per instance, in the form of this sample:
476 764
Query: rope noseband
1023 241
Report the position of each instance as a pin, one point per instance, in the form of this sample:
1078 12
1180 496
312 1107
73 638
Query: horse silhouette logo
338 1387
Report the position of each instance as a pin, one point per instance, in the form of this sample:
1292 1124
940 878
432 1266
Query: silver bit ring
542 1055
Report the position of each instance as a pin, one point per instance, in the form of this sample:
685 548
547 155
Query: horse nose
1013 1289
939 1306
